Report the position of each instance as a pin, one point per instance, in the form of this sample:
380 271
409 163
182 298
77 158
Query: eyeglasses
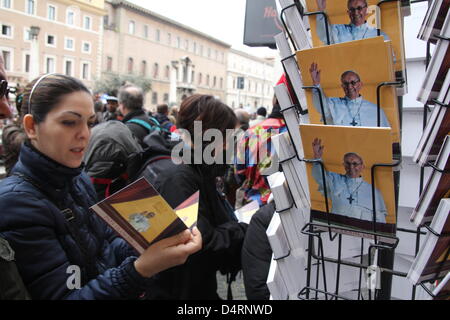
355 164
356 9
4 89
351 83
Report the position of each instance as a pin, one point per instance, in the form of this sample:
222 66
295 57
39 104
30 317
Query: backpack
156 158
11 284
111 153
149 127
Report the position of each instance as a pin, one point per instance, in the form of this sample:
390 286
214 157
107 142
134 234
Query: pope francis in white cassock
352 110
350 195
357 29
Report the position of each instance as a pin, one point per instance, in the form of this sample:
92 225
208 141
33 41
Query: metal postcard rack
385 244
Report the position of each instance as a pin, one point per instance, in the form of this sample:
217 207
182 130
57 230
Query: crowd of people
67 150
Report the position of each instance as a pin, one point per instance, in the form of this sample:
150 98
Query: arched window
144 68
130 65
167 73
155 70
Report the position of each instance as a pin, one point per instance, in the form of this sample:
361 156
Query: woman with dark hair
62 250
222 234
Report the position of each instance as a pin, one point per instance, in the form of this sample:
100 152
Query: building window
178 42
186 44
7 31
209 52
26 64
69 44
144 68
194 47
167 73
6 4
214 81
49 65
157 35
30 7
154 97
26 34
87 23
68 68
85 70
201 50
51 13
200 78
7 56
222 57
169 39
207 80
109 62
50 41
130 65
166 98
221 83
146 31
192 76
216 55
86 47
70 19
131 27
155 70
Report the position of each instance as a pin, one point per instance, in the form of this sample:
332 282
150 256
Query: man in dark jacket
256 254
162 112
112 112
131 101
109 155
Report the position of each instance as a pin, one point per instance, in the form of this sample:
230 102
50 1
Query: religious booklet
295 23
291 217
245 213
275 283
384 20
141 216
290 265
277 237
433 259
438 67
437 187
290 65
342 191
437 128
294 169
442 290
434 20
346 77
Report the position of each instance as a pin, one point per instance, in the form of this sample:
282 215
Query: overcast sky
221 19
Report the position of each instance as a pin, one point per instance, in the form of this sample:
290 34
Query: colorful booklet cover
347 154
141 216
